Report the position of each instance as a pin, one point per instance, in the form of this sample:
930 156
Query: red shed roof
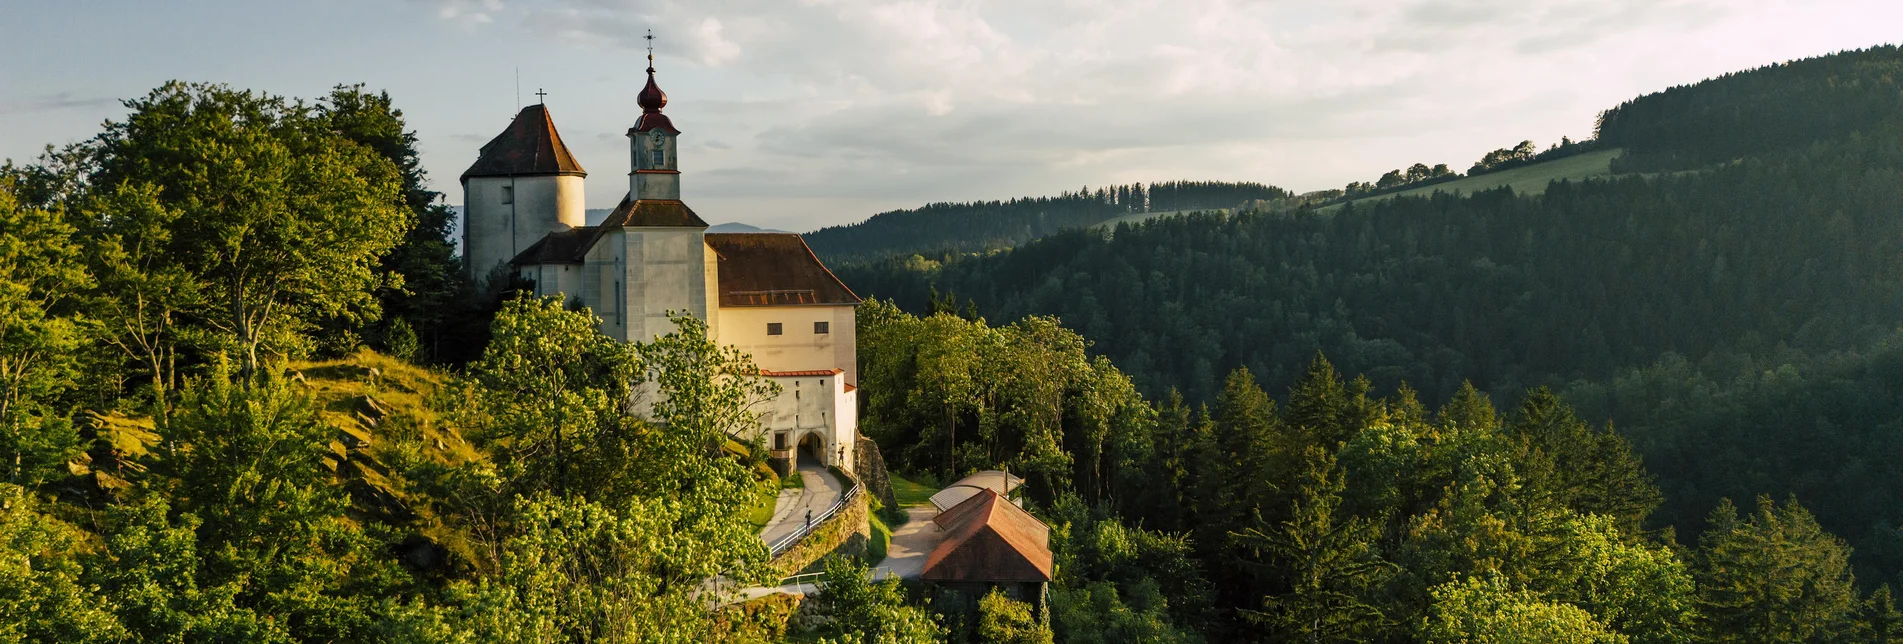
529 146
988 539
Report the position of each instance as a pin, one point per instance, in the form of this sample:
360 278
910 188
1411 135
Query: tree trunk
241 325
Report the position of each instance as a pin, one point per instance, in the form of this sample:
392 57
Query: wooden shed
989 543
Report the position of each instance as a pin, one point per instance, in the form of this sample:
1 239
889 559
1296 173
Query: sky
800 114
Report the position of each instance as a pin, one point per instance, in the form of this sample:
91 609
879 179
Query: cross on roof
540 96
650 38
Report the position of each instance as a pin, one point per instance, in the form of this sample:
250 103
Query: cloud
52 102
468 14
880 99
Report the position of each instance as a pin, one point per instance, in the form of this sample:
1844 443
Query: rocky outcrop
870 466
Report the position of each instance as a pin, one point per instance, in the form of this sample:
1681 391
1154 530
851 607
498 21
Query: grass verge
881 539
910 493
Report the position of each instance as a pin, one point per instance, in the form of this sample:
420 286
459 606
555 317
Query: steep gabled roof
652 212
774 269
529 146
988 539
571 246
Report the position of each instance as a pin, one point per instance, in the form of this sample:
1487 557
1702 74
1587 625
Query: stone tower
523 186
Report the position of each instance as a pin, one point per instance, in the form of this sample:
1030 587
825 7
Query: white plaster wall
846 424
657 185
603 275
494 232
654 185
710 274
556 279
811 405
665 271
797 348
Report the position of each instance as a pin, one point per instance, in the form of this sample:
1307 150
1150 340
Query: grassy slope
389 420
909 493
1528 180
1525 180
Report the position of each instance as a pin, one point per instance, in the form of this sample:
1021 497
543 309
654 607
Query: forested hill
988 225
1795 245
1736 319
1804 249
1772 108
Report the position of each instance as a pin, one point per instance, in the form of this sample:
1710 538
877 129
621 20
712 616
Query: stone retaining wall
845 532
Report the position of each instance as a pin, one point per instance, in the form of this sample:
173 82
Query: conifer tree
1328 559
1772 576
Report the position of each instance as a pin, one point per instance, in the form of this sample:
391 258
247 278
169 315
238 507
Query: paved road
904 558
911 543
789 513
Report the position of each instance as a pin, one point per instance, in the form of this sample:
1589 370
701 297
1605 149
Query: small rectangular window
508 194
657 158
822 327
779 440
772 328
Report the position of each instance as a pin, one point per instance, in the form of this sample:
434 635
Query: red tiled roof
988 539
529 146
851 387
801 374
774 269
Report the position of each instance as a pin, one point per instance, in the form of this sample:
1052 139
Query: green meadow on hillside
1524 180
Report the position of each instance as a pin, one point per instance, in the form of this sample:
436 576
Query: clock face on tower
657 137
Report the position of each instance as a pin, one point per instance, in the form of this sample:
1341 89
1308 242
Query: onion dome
652 99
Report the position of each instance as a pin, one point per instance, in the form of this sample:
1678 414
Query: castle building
764 293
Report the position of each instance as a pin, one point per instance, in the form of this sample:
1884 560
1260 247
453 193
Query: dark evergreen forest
988 225
1735 317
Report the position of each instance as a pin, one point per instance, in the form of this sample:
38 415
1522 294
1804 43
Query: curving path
789 513
911 543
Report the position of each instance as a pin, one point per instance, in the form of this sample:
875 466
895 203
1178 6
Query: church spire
655 168
652 99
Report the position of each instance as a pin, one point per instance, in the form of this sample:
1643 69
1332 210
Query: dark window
822 327
508 194
659 158
779 440
772 328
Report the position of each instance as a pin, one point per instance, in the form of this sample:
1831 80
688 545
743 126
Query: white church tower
523 186
654 243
